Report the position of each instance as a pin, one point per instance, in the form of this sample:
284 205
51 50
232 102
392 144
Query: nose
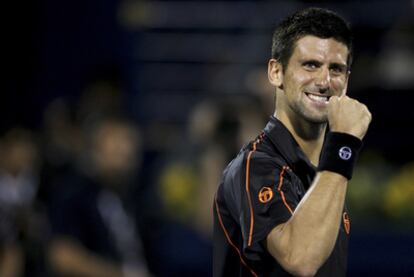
323 79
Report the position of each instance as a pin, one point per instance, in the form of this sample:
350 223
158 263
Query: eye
338 69
310 65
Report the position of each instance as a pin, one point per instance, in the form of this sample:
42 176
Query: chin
310 115
317 119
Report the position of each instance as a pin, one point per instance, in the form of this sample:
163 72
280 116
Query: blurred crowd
96 189
93 193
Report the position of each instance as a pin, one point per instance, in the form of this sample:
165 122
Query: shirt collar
286 145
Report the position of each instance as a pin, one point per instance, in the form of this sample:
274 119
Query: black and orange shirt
260 189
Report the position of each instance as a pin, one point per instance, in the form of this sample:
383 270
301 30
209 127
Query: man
279 210
94 232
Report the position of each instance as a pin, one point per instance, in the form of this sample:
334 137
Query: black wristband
339 153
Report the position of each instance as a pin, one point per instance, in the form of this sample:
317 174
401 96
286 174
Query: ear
275 73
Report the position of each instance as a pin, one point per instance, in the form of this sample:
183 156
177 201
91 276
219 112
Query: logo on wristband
345 153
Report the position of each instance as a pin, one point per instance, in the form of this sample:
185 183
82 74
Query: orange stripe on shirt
229 240
279 188
248 194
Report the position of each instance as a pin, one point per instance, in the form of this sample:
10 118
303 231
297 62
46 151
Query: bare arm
69 257
302 244
11 261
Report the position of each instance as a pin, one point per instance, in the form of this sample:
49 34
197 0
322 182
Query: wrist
339 153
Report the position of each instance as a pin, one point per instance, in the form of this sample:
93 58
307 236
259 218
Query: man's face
115 150
316 71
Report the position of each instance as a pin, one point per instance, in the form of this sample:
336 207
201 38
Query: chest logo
347 222
265 195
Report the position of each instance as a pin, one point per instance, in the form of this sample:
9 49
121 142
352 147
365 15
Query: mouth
322 99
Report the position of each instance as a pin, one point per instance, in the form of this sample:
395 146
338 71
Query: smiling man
280 208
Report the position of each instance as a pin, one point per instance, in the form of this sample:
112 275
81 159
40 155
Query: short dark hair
317 22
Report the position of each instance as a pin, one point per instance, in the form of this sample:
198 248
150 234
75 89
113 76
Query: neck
308 135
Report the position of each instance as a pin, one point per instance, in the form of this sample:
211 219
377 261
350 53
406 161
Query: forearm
11 261
307 239
69 258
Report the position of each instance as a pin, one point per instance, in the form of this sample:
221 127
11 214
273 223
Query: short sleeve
268 199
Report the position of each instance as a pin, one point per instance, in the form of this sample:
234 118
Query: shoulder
252 166
258 155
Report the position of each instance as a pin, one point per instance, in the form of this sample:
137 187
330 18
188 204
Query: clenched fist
347 115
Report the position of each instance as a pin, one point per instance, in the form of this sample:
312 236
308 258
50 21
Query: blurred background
118 117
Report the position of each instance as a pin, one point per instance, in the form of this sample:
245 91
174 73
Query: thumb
333 99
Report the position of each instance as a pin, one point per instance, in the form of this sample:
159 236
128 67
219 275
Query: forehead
321 49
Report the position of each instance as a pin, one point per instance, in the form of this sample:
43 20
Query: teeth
318 98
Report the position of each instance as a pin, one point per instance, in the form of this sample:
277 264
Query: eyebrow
311 60
339 65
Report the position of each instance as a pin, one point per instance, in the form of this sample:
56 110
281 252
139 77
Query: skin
317 66
11 261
